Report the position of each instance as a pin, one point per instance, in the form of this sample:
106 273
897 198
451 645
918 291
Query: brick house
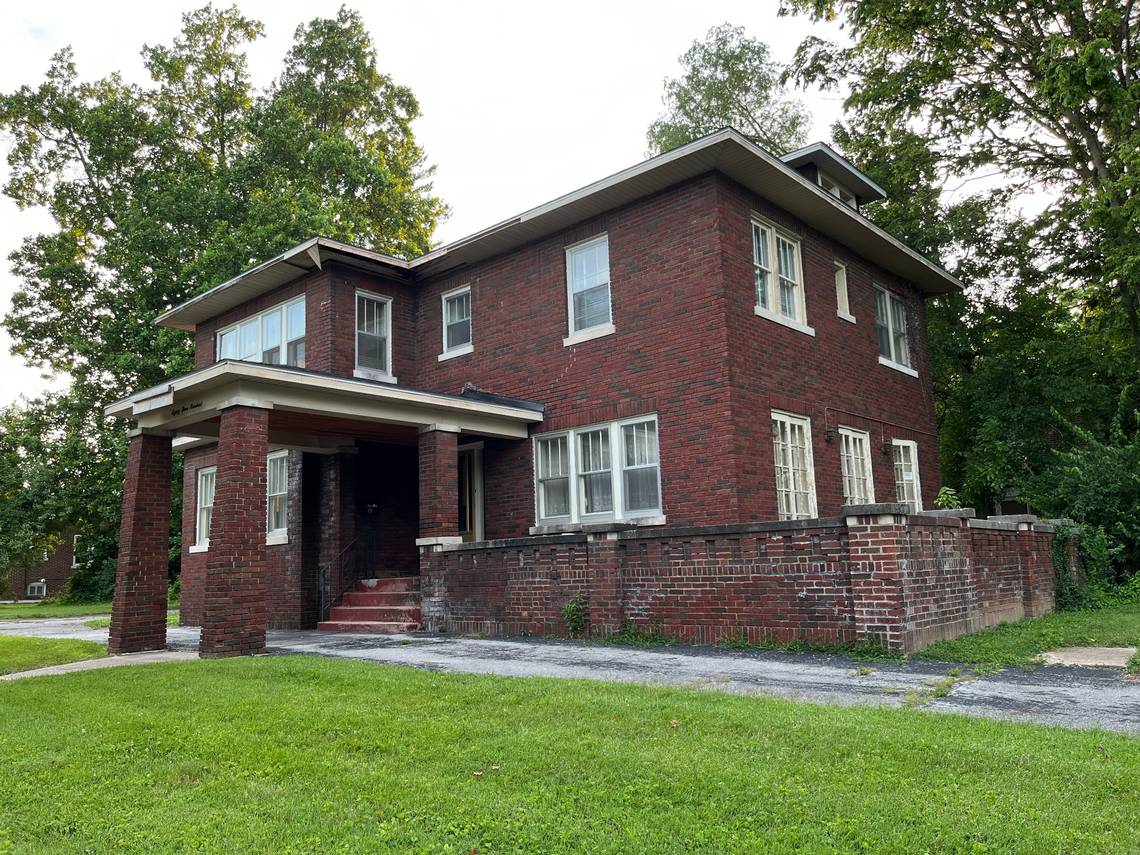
679 391
48 576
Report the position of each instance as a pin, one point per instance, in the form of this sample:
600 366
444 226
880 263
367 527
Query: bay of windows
855 461
795 477
273 337
597 473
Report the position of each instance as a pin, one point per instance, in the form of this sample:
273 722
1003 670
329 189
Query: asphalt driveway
1053 694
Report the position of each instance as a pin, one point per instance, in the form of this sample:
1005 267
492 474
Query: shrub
576 612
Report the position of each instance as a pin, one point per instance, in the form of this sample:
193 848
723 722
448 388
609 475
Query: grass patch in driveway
1021 643
21 653
307 754
48 609
104 622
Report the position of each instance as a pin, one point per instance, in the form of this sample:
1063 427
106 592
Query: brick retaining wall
875 574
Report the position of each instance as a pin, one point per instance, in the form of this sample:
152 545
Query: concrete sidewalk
1061 695
108 662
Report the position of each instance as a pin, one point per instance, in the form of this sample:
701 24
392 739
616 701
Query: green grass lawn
12 611
1022 642
18 653
300 754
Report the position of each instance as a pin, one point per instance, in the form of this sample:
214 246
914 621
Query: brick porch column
236 610
138 614
439 485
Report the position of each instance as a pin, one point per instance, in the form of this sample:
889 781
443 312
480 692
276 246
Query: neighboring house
713 338
48 576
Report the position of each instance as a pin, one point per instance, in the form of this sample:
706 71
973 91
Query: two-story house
712 340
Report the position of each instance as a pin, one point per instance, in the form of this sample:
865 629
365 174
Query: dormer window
837 190
274 337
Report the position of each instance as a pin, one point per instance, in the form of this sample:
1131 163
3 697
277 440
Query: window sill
462 350
588 335
780 319
276 539
890 363
372 374
198 548
596 525
849 318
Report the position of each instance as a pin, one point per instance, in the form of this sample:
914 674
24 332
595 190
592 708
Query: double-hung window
207 480
588 289
373 337
891 326
600 472
277 493
274 337
795 476
456 322
778 273
855 462
907 487
842 300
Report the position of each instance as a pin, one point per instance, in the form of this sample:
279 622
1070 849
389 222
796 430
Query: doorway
471 492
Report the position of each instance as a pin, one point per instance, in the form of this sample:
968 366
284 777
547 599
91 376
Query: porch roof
191 403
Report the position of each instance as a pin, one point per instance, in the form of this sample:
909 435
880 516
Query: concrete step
367 626
393 583
372 614
380 598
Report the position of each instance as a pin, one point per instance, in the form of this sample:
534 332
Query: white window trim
887 361
598 330
840 267
617 471
813 501
869 475
202 544
372 373
917 470
75 562
284 345
275 536
461 349
37 589
799 323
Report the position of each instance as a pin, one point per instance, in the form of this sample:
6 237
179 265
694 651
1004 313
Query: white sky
521 101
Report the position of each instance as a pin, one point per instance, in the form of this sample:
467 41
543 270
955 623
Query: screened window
207 479
553 457
588 284
842 301
457 320
373 335
891 325
273 337
778 273
606 471
855 461
795 480
277 488
907 487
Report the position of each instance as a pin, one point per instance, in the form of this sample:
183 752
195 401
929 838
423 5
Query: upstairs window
891 326
855 461
588 288
277 492
842 301
779 276
795 476
207 479
273 337
907 487
837 190
373 336
457 322
600 472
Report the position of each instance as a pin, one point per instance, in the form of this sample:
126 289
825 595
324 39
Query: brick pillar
875 547
605 582
236 604
138 614
439 486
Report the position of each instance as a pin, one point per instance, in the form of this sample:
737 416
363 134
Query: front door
471 492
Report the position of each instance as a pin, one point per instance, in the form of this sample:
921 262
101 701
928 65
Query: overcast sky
521 101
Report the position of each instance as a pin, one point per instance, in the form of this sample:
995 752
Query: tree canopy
160 191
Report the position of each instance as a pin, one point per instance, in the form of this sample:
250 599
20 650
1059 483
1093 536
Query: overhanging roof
725 151
200 395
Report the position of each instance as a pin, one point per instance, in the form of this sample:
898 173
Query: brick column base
236 609
138 614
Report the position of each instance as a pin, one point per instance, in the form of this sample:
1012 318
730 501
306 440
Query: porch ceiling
308 406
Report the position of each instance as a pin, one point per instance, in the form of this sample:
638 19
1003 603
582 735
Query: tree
729 79
161 191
